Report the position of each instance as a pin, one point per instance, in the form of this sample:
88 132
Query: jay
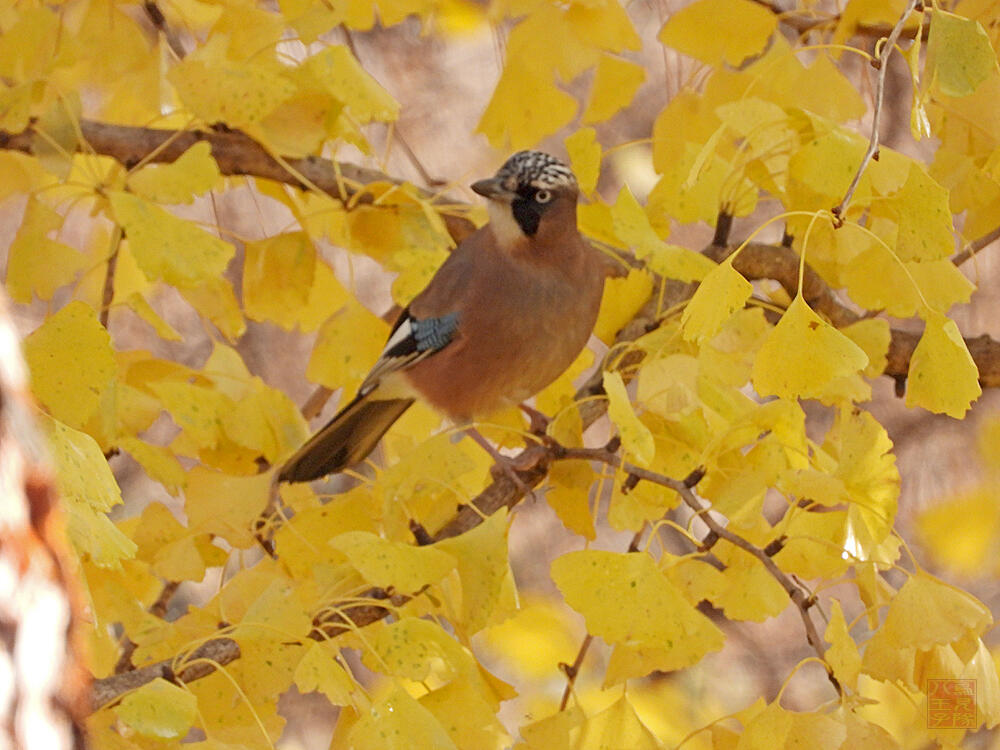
504 316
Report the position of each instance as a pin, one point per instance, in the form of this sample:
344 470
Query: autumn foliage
732 375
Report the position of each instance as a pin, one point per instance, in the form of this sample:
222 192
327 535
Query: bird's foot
539 422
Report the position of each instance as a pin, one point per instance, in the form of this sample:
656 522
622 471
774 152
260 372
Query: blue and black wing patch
412 340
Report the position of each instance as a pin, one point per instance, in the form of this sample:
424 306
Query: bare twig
881 62
156 17
799 597
976 245
572 670
109 277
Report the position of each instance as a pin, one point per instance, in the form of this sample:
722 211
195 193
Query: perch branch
781 264
235 153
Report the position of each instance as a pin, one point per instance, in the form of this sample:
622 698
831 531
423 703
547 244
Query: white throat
504 226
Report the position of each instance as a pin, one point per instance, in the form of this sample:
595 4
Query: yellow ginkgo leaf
215 300
751 593
842 656
467 717
722 292
872 335
71 363
585 158
346 348
194 172
482 566
622 299
384 563
418 649
569 496
943 377
337 71
616 726
631 224
867 467
538 636
553 732
319 670
159 709
677 262
818 545
87 489
927 612
278 275
238 94
692 188
615 84
668 386
803 355
226 506
514 118
719 31
398 722
159 462
959 54
925 224
649 609
166 247
637 440
37 264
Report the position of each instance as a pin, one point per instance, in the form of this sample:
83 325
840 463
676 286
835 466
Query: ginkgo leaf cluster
420 638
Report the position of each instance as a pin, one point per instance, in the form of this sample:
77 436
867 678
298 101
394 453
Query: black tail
345 440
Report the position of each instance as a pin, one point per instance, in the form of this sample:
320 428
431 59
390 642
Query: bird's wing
411 340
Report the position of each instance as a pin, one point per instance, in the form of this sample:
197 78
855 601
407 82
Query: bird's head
531 190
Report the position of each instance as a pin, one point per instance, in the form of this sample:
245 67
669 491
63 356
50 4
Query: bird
506 313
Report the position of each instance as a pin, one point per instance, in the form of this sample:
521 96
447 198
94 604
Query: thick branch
235 153
221 651
781 264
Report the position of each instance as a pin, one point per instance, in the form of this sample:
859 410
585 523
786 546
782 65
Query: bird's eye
543 196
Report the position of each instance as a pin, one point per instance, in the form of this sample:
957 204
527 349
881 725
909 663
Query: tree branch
759 261
804 22
221 651
976 245
235 153
799 597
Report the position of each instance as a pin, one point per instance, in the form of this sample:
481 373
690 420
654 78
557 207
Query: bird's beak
493 188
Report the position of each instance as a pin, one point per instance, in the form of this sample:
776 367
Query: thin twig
107 297
572 670
975 246
804 21
796 593
880 62
156 17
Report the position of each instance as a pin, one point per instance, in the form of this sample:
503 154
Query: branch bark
781 264
235 153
